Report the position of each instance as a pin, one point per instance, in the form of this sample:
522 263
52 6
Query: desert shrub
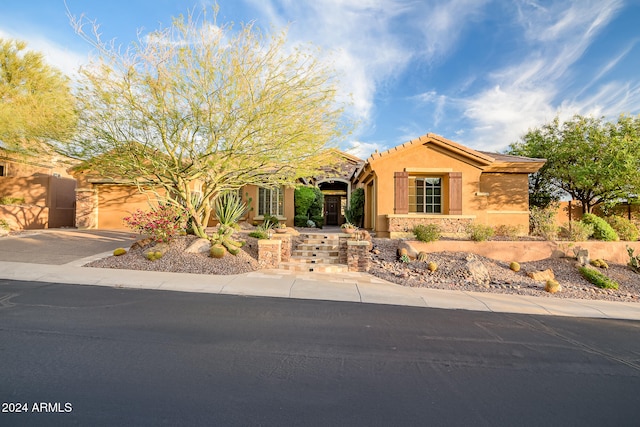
405 259
4 224
598 279
427 233
300 220
626 229
542 222
511 232
272 220
162 224
259 234
634 260
576 231
601 229
480 232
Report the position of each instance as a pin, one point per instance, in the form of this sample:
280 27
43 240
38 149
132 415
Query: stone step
320 242
314 260
317 247
319 268
301 253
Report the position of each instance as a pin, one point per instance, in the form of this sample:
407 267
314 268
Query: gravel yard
451 273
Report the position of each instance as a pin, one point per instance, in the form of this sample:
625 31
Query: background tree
592 160
201 105
36 103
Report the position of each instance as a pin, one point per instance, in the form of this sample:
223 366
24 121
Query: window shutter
455 193
401 193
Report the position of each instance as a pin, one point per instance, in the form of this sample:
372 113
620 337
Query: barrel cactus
432 266
119 251
422 256
514 266
552 286
217 251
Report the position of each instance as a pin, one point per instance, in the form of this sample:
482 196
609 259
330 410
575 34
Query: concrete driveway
62 246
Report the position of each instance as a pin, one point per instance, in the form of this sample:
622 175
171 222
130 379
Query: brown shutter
455 193
401 193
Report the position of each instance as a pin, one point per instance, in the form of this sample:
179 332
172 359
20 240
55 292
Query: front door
331 210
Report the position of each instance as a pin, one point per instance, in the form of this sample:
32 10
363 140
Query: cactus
217 251
600 263
432 266
422 256
405 259
119 251
552 286
514 266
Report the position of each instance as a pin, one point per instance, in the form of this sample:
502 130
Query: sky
478 72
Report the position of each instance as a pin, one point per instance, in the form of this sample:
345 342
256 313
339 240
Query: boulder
411 252
478 272
200 246
541 276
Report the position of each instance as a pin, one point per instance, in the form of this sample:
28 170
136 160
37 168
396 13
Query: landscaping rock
478 272
541 276
411 253
199 246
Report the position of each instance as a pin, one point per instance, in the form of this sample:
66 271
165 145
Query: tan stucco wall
118 201
492 198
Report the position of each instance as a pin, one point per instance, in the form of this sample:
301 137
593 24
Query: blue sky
478 72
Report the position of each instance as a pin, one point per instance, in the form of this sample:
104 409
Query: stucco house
431 179
427 180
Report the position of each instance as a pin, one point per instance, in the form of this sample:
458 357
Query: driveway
62 246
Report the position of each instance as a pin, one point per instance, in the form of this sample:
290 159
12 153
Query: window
425 195
270 202
3 170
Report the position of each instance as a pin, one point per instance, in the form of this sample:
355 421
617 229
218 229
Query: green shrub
598 279
318 220
576 231
601 229
271 219
355 212
4 224
480 232
427 233
542 222
259 234
300 220
317 206
626 229
303 198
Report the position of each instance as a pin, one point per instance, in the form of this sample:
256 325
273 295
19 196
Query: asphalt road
103 356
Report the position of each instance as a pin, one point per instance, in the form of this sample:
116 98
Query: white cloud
525 94
364 149
56 55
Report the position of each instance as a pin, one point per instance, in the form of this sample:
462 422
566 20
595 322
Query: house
427 180
432 180
37 191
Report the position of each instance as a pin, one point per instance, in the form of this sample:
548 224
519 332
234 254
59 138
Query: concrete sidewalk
58 255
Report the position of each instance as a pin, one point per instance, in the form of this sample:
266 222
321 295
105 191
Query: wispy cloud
525 94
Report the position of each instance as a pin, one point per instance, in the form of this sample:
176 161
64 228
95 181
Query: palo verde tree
198 106
36 103
592 160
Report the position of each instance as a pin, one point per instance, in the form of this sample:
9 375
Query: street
83 355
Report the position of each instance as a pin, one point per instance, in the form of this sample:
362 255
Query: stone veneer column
342 248
358 256
285 250
86 208
269 253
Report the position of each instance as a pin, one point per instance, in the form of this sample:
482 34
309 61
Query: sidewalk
349 287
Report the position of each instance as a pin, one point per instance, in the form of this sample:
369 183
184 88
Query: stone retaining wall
402 225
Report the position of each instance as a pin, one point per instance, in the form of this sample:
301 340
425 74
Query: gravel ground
178 261
452 274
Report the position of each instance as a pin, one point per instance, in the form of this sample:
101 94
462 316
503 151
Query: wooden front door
332 210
